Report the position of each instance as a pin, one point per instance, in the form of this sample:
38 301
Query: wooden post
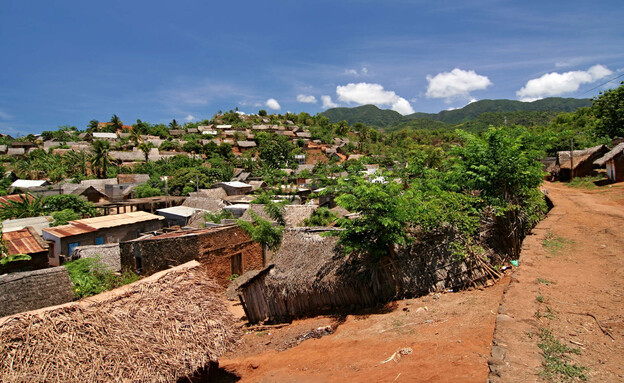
571 158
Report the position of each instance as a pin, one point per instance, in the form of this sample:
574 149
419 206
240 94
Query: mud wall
34 289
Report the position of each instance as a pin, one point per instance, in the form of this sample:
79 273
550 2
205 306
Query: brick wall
34 289
215 248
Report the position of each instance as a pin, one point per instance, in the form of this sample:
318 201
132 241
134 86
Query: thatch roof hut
160 329
310 275
581 163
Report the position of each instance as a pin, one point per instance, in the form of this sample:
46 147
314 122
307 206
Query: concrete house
98 231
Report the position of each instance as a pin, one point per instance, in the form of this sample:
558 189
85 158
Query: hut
165 328
310 275
578 163
614 160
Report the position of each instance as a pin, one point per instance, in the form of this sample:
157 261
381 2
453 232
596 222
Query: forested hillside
477 115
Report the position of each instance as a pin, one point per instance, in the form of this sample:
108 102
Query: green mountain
496 110
366 114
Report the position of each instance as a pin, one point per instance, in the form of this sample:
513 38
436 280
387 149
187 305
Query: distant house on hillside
614 160
234 187
28 184
104 136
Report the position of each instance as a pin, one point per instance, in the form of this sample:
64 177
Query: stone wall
34 289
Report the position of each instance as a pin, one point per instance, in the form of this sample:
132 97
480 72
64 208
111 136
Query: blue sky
68 62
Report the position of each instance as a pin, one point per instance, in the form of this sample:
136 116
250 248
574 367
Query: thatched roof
159 329
306 261
614 152
579 156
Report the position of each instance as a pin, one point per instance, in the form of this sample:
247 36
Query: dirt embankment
570 282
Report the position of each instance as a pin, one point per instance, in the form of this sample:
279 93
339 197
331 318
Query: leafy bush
91 277
145 190
320 217
64 216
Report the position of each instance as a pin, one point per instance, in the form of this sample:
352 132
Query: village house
224 250
614 160
25 241
578 163
178 215
98 231
104 136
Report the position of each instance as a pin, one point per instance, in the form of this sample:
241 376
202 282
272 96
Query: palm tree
174 124
145 147
135 136
100 160
76 163
28 206
117 124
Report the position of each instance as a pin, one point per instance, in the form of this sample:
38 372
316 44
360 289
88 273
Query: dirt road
570 282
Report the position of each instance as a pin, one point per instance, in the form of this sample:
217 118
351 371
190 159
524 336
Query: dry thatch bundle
156 330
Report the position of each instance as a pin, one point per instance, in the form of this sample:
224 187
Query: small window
72 246
99 240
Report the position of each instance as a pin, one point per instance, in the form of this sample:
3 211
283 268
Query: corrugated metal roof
15 197
107 221
22 242
88 225
28 183
69 230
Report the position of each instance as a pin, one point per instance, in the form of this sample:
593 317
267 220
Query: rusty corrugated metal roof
22 242
69 230
15 198
114 220
88 225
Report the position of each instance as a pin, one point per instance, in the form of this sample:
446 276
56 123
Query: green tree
64 216
69 202
274 151
26 206
116 123
100 160
262 113
146 147
609 108
262 231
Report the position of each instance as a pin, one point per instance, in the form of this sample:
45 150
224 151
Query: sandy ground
572 262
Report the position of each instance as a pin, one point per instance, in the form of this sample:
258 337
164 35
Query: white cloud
272 103
328 103
189 118
356 73
457 83
365 93
555 84
306 99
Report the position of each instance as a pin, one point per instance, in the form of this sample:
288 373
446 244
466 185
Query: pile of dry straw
156 330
